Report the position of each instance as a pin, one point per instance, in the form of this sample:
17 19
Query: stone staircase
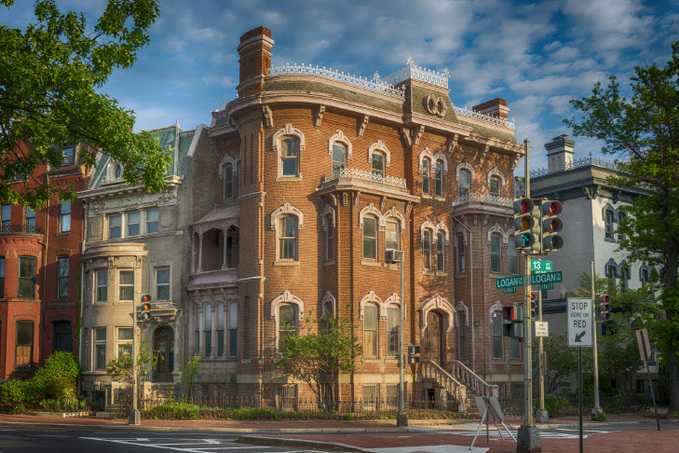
432 371
475 385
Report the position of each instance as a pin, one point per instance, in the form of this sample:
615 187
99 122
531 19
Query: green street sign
548 277
546 286
511 290
540 266
509 282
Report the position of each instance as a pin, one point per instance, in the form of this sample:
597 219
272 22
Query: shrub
13 398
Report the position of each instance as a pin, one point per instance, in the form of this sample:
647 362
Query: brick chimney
560 154
255 60
496 107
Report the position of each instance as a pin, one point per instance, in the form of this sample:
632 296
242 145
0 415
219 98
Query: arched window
495 253
370 330
426 176
377 163
440 251
426 249
438 179
290 156
339 157
207 329
287 321
461 255
287 237
219 328
392 331
329 233
463 184
233 329
370 238
512 258
622 219
228 181
392 240
461 324
496 330
494 186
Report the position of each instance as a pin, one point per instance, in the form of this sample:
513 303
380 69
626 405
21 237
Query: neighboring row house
39 265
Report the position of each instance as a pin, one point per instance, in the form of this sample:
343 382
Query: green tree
644 130
49 76
189 373
121 368
317 355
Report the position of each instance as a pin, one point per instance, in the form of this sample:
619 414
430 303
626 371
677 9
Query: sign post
645 353
580 329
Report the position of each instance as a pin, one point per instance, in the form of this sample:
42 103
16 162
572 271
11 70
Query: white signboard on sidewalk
541 329
580 322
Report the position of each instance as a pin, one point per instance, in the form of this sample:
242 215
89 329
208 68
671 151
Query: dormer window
68 154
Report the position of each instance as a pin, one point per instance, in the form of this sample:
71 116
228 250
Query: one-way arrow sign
580 322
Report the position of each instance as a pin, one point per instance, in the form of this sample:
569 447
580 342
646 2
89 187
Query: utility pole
401 416
596 410
542 415
135 415
528 439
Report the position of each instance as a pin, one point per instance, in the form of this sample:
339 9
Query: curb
298 443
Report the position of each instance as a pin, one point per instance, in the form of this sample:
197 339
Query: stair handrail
432 370
463 373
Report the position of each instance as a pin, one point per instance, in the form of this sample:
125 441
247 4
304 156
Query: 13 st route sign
580 322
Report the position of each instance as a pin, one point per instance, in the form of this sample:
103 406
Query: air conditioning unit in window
393 256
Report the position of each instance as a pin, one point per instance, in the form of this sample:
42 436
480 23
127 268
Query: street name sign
547 277
541 329
541 266
580 322
509 282
511 290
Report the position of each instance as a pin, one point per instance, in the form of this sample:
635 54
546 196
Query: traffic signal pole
528 439
596 410
135 415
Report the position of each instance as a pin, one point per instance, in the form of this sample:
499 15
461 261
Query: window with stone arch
433 167
496 182
609 223
287 221
394 227
328 226
496 331
371 221
289 143
495 252
427 238
379 159
228 173
465 178
340 148
286 312
461 324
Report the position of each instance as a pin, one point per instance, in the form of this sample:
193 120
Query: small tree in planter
120 368
189 373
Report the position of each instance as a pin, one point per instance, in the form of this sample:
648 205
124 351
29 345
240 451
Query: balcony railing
483 198
579 163
364 175
6 228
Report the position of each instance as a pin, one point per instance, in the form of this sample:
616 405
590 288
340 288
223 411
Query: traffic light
551 226
413 354
533 303
526 226
145 308
605 308
512 322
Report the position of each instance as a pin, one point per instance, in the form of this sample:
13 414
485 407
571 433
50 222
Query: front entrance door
434 340
163 348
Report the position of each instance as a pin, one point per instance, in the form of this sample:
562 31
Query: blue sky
537 55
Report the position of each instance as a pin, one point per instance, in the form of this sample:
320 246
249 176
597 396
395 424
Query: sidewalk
384 437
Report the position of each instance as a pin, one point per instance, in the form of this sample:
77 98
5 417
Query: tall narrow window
426 249
329 231
219 328
391 236
126 285
438 179
461 335
378 166
6 217
229 250
622 220
461 261
27 277
339 157
370 330
101 286
609 224
287 324
392 331
514 348
463 187
228 182
99 348
163 283
133 223
290 156
494 186
426 176
115 222
495 253
152 221
512 258
440 252
30 220
207 329
370 238
497 335
288 237
2 277
64 217
62 277
24 344
233 329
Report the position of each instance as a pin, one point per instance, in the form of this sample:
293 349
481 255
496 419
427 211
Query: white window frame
285 132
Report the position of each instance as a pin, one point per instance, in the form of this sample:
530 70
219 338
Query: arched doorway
163 348
434 339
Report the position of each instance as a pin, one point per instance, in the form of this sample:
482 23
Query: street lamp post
401 417
135 415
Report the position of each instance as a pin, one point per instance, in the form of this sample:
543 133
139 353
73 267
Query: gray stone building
135 243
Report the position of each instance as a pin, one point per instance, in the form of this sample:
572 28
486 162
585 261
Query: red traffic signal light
145 309
552 207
